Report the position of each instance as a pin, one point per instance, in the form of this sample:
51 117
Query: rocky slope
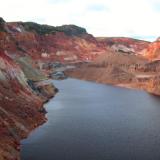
124 44
122 69
152 52
21 99
111 68
21 107
67 43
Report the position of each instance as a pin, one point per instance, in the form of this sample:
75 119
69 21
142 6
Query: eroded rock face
152 52
15 105
125 45
20 107
67 43
123 70
153 86
113 68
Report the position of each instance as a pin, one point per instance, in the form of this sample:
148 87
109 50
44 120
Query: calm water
88 121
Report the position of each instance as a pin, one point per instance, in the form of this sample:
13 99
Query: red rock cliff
152 52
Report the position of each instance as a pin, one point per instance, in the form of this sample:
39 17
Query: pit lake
89 121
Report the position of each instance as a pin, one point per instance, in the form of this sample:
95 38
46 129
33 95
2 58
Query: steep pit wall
21 108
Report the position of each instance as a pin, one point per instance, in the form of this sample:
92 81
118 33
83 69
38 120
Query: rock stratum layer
28 52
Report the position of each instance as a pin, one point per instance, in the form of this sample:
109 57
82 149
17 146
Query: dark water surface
88 121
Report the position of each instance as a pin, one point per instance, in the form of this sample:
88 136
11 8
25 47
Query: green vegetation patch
2 23
70 30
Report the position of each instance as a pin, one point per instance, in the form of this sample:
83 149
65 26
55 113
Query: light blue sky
127 18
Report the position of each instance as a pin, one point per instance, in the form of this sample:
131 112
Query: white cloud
133 18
